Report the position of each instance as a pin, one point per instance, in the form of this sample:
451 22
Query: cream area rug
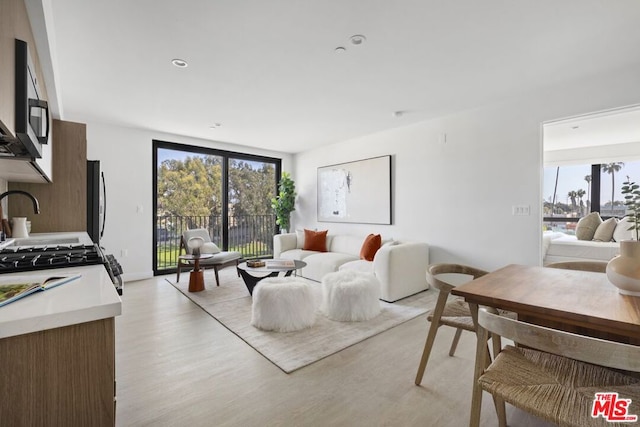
230 304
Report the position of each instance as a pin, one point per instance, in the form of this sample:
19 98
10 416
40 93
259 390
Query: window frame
594 197
226 156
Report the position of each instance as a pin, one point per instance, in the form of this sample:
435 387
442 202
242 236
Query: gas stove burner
27 258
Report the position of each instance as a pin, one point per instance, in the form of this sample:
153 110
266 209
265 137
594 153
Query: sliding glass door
227 193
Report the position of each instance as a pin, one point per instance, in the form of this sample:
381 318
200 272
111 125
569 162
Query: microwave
31 111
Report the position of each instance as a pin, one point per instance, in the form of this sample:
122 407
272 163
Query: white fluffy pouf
283 304
350 296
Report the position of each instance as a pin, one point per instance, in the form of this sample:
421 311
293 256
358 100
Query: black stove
14 259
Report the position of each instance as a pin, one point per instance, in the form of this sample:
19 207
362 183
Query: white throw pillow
622 231
209 248
604 232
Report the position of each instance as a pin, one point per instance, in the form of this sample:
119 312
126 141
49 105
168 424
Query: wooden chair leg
496 343
178 277
454 344
500 411
481 355
215 269
431 336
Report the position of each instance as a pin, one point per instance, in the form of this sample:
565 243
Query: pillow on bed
622 231
604 232
588 225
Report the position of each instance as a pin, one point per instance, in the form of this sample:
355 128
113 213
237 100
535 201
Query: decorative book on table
16 287
280 263
255 263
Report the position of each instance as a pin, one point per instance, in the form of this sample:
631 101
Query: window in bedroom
570 192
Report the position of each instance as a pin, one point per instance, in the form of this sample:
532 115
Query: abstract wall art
356 192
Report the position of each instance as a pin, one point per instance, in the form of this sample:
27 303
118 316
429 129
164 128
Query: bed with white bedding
564 247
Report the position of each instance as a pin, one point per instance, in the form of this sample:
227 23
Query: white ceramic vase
19 227
623 271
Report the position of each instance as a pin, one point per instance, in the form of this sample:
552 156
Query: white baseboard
132 277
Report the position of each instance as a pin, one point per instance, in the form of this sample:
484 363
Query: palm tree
573 195
555 191
588 179
580 193
612 168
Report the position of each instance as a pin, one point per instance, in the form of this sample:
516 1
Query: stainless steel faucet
36 207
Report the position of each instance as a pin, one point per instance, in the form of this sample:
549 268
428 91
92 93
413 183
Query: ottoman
283 304
350 296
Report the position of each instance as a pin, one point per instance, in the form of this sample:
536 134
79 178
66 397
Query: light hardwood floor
176 365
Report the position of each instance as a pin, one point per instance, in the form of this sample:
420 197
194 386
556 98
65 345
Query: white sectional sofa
399 266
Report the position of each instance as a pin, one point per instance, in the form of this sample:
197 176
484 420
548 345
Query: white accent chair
219 260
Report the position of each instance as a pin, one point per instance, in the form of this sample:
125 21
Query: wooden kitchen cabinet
63 202
59 377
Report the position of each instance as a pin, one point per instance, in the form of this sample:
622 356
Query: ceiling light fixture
398 113
215 126
339 49
357 39
180 63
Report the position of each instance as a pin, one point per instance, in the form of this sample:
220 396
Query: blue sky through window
571 178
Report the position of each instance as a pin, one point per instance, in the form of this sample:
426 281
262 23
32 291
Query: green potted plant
631 192
623 271
284 203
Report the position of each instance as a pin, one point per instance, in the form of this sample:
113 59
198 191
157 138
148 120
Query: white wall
458 196
126 159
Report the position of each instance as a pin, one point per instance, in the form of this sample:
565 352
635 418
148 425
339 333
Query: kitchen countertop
82 237
90 297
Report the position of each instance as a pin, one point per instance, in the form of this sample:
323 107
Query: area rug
230 304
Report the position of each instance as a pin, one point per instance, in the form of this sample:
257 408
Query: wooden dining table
575 301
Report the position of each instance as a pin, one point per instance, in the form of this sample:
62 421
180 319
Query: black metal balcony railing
251 235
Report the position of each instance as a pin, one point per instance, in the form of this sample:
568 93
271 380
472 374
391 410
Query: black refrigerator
96 214
96 201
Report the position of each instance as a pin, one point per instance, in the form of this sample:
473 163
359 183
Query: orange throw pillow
370 246
315 240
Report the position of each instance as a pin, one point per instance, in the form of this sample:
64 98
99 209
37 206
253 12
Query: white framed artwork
357 192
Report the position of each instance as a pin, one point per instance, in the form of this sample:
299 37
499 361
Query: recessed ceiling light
339 49
575 127
180 63
357 39
398 113
215 126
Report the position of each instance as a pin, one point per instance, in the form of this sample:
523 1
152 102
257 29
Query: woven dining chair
449 312
554 375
